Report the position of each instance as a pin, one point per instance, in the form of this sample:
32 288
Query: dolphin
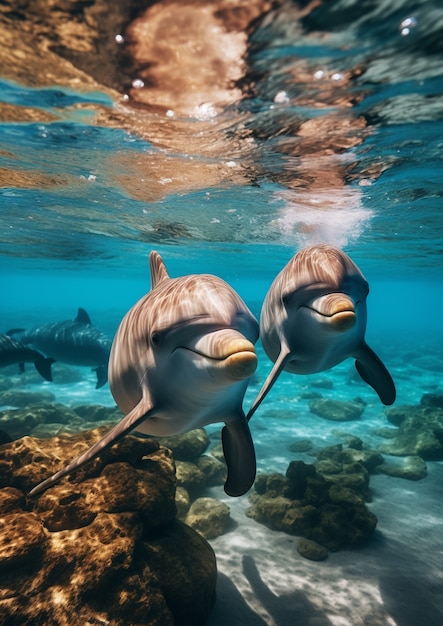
314 317
76 342
181 359
12 351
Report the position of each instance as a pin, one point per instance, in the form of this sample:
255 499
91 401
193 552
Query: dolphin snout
235 355
339 310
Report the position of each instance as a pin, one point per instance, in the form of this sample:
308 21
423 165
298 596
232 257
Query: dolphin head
314 316
188 335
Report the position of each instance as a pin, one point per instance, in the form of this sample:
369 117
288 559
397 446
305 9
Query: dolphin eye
156 339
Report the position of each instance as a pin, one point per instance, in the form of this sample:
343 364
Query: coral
105 544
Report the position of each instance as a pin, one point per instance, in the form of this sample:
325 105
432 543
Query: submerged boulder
337 410
306 504
420 430
104 544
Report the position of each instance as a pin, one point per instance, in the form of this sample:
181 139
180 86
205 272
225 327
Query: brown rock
107 549
209 517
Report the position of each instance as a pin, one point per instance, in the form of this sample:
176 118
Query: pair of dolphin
76 342
183 354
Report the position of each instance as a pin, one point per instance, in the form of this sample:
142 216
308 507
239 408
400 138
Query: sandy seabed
394 580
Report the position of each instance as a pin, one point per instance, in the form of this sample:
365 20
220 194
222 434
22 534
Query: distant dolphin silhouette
76 342
181 359
12 351
314 317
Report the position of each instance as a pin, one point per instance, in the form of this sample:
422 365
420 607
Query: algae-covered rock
302 445
209 517
19 398
337 410
308 504
103 545
420 432
312 550
187 446
22 421
409 467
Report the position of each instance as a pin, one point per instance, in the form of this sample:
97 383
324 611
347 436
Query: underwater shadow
290 608
411 592
230 607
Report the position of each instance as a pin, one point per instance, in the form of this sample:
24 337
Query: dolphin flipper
138 414
102 375
239 452
373 372
272 377
43 367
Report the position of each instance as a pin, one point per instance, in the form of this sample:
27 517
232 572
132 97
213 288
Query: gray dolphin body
181 359
12 351
76 342
314 317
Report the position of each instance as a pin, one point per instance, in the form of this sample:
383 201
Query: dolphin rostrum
180 360
314 317
76 342
12 351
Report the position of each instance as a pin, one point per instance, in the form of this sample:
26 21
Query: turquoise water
82 205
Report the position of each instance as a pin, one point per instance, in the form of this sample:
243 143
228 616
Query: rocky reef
321 508
420 429
105 544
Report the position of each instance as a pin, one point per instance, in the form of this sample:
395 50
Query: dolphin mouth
336 310
229 351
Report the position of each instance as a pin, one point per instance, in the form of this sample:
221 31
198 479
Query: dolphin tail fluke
373 372
43 367
272 377
138 414
239 452
102 375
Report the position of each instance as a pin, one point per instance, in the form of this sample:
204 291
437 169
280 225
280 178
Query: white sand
394 580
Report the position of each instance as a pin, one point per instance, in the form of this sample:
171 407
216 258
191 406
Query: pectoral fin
138 414
102 375
272 377
373 372
239 452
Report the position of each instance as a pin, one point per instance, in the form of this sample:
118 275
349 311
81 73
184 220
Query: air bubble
137 83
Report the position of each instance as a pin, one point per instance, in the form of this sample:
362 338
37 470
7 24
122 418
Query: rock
21 422
385 432
302 445
336 410
420 433
190 477
214 470
182 502
432 399
396 414
209 517
187 446
322 383
307 504
312 550
98 413
410 467
108 549
18 398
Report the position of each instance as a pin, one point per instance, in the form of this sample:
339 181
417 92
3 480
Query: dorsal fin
83 317
158 269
